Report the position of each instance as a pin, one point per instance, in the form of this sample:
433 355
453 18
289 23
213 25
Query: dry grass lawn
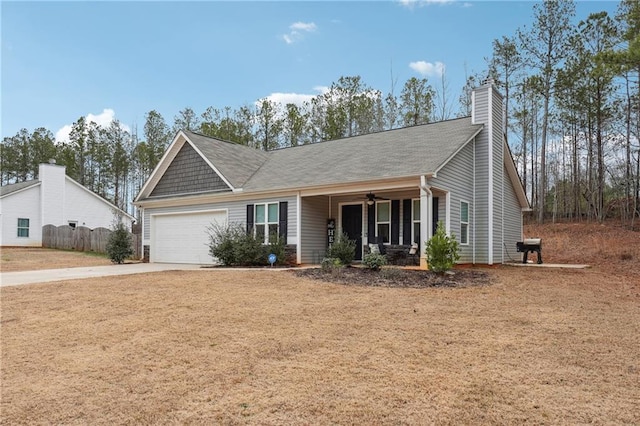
537 346
14 259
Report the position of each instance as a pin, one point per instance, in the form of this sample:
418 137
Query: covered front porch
373 214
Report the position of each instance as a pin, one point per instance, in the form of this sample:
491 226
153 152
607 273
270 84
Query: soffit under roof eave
239 194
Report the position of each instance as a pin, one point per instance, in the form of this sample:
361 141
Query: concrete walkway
48 275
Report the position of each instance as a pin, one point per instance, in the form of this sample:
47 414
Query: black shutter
249 218
395 221
371 224
435 215
406 222
282 225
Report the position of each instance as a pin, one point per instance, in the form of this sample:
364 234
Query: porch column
426 213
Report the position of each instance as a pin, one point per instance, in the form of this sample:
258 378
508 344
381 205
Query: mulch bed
396 277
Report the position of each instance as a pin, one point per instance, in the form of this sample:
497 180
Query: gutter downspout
426 213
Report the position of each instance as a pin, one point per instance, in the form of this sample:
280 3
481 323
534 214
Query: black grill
530 245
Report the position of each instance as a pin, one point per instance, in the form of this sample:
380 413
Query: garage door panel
183 237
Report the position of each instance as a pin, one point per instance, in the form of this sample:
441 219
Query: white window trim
386 222
266 222
464 222
23 227
414 221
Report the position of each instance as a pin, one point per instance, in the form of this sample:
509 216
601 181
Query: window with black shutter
268 221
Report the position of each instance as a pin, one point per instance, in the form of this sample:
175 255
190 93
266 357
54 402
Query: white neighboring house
52 199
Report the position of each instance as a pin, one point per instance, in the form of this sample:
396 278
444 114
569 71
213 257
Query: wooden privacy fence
82 238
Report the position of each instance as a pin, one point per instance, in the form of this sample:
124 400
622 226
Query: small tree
119 246
342 249
442 250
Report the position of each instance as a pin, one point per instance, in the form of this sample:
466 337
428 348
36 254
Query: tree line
572 101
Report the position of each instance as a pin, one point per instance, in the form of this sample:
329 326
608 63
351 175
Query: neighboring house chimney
52 193
487 109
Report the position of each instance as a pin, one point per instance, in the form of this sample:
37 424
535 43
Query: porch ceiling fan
371 198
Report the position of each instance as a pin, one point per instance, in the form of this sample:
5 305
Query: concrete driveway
48 275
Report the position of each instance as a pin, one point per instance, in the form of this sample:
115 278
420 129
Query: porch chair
413 254
377 246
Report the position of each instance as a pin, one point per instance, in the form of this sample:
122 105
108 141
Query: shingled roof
399 153
14 187
410 151
237 163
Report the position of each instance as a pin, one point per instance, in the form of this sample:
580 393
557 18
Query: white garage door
183 237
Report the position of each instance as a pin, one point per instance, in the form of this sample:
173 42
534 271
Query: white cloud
321 89
290 98
287 38
298 29
294 98
410 4
103 120
62 135
427 68
303 26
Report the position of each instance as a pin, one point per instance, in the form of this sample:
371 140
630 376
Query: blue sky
103 60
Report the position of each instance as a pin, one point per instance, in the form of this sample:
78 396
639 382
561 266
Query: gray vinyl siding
313 240
498 179
237 213
457 178
512 222
480 214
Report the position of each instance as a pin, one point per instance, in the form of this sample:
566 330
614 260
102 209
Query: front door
352 225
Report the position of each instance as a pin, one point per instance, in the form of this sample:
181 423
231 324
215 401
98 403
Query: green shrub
231 245
442 250
374 261
343 249
329 264
222 240
119 244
